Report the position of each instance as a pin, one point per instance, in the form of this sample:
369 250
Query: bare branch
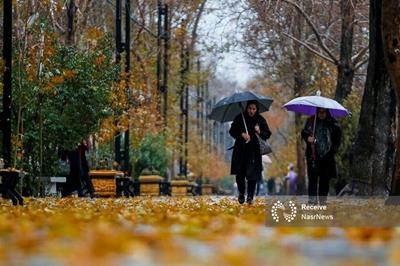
360 74
311 49
315 30
360 64
196 24
356 58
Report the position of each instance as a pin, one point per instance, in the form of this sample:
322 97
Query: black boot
251 188
322 200
249 200
312 200
241 198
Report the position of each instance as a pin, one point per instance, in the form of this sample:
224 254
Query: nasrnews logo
289 212
287 216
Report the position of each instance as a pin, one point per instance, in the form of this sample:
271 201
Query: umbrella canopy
229 107
308 105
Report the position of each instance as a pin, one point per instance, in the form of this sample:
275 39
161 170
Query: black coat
244 153
325 162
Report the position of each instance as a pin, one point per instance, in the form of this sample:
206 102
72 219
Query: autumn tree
372 155
281 58
391 47
47 90
352 15
295 44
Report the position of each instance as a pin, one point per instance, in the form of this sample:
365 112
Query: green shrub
151 154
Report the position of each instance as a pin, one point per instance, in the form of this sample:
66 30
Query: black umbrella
229 107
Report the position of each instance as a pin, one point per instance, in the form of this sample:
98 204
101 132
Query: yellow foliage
180 33
99 60
362 235
284 155
204 163
325 79
69 74
57 80
106 131
94 34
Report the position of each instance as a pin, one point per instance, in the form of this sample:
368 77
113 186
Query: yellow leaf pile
162 230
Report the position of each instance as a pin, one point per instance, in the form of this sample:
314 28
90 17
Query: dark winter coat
328 134
245 154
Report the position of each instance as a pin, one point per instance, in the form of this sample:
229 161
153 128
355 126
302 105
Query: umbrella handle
314 153
244 122
315 122
245 126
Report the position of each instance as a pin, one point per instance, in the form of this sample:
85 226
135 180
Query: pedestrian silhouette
246 157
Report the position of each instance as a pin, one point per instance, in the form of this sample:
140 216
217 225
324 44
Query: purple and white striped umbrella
308 105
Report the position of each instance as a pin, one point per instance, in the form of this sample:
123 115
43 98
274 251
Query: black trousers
241 184
318 184
252 176
248 172
86 183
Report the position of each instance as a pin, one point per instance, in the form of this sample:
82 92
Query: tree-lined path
111 98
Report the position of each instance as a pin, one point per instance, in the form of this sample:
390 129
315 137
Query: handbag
265 148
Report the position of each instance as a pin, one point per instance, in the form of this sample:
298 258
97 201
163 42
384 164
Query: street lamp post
163 55
121 47
127 47
7 56
166 37
118 47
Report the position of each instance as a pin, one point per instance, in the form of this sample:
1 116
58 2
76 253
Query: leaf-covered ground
179 231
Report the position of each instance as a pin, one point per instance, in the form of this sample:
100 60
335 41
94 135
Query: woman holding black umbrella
246 157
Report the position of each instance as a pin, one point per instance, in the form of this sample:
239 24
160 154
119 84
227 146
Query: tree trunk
299 64
301 165
372 153
345 66
7 82
71 11
391 41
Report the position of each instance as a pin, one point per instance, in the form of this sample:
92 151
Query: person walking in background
78 178
246 157
291 178
260 187
323 134
73 178
271 185
279 187
86 181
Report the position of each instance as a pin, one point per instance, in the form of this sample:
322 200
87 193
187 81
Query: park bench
124 186
165 188
53 184
9 180
192 189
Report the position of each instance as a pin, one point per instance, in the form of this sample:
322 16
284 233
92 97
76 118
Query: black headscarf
255 103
